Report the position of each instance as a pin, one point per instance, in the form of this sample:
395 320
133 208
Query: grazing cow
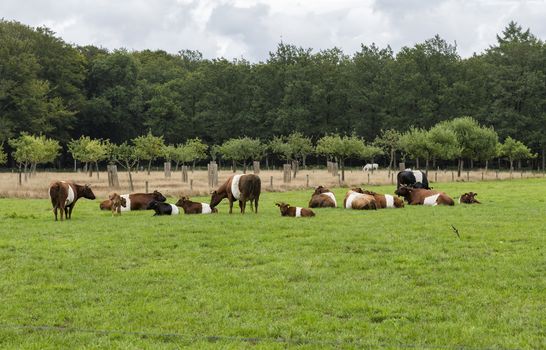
468 198
322 198
357 199
195 207
118 202
135 201
162 208
296 212
370 166
65 194
385 200
421 196
413 178
238 187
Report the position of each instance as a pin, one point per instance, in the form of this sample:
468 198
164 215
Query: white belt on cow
235 187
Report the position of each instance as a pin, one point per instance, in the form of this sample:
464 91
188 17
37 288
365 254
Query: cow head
215 198
158 196
404 191
468 198
357 189
283 207
152 205
123 201
320 189
87 192
181 201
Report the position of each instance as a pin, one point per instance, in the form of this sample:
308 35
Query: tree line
64 92
457 139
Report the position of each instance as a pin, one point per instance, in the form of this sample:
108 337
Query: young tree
3 155
126 156
31 150
196 149
415 143
389 141
341 148
443 142
241 149
515 150
149 147
301 147
370 152
89 151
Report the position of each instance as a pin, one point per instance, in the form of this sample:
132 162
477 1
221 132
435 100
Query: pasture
390 278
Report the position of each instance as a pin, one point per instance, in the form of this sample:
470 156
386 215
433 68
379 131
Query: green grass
345 279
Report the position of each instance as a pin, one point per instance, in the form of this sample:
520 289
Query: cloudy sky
252 28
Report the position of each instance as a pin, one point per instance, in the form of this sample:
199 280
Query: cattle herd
412 186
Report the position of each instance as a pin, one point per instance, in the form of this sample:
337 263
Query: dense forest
62 91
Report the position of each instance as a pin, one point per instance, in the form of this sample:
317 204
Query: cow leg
256 205
242 206
70 211
55 212
230 206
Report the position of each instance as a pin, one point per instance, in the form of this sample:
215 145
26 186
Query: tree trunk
486 166
176 166
267 162
417 163
233 166
97 166
244 166
519 164
471 164
75 165
131 180
511 166
342 163
304 164
426 166
149 166
294 167
193 166
543 157
460 167
90 167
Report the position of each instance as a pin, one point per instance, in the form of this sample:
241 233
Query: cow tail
256 188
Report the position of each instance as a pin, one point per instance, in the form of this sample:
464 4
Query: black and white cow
412 178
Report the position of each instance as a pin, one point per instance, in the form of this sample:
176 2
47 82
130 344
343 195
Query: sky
253 28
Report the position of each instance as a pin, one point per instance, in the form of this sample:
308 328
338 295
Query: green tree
443 142
515 150
149 147
89 151
341 148
30 150
3 155
126 156
389 141
241 150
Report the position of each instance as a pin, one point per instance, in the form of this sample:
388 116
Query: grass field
392 278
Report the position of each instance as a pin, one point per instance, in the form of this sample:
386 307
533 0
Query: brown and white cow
65 194
118 202
385 200
468 198
135 201
357 199
322 198
297 212
195 207
421 196
243 188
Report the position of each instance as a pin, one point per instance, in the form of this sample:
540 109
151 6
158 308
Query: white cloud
252 28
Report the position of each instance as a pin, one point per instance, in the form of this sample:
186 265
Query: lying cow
357 199
195 207
118 202
135 201
65 194
370 166
421 196
468 198
385 200
162 208
322 198
412 178
297 212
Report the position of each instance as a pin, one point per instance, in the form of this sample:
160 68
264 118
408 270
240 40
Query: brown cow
297 212
238 187
421 196
195 207
385 200
118 202
468 198
357 199
322 198
135 201
65 194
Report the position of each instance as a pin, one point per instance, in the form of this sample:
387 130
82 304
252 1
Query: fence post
402 166
436 176
392 178
334 169
482 175
167 169
184 173
452 176
146 187
271 182
339 180
307 181
287 173
368 178
256 166
468 175
191 185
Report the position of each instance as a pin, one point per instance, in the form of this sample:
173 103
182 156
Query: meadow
393 278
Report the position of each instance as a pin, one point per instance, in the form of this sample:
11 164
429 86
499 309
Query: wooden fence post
468 175
184 173
452 176
307 181
368 178
167 169
287 173
256 166
147 187
334 169
191 185
113 179
271 182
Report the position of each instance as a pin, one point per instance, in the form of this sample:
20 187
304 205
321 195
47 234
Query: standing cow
322 198
385 200
357 199
243 188
421 196
65 194
412 178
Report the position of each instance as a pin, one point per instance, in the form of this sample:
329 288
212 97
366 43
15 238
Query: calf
195 207
413 178
385 200
118 202
162 208
468 198
322 198
421 196
297 212
357 199
65 194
